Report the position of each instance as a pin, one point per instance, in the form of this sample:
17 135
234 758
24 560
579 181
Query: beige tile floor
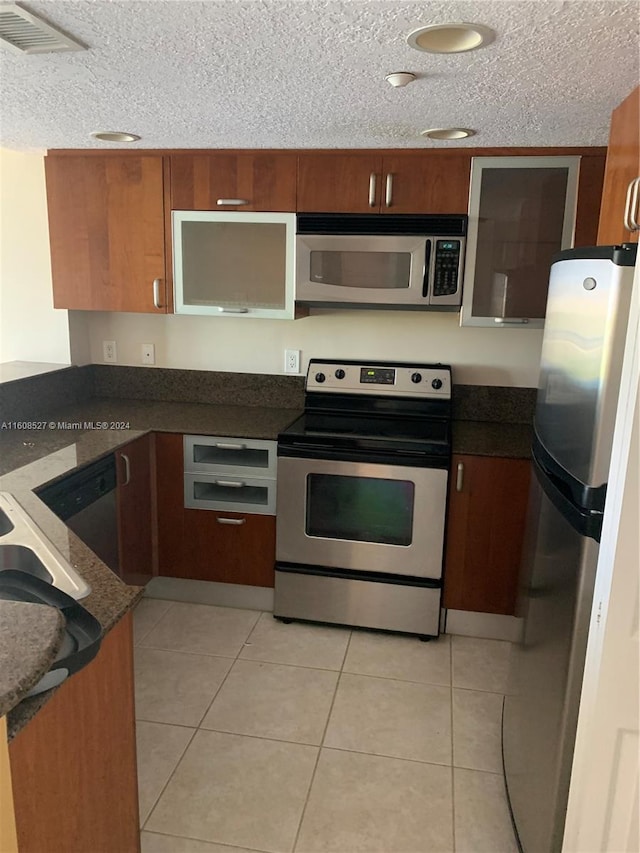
259 736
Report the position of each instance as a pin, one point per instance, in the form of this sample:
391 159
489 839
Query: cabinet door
135 511
169 465
623 168
425 183
255 181
521 213
485 528
73 766
229 547
234 264
339 183
106 228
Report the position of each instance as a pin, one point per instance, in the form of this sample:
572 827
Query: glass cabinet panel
233 263
521 213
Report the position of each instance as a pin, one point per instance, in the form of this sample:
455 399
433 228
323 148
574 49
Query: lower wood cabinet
135 502
485 528
73 766
229 547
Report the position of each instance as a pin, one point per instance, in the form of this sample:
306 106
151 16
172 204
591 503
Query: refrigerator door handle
586 522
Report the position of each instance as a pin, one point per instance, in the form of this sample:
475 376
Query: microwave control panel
446 272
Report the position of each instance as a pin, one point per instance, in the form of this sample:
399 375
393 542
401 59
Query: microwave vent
23 32
402 224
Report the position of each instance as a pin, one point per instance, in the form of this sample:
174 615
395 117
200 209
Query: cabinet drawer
234 493
222 454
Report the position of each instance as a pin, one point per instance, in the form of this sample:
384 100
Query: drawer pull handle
232 484
372 189
237 201
223 310
388 199
224 446
460 477
235 521
503 321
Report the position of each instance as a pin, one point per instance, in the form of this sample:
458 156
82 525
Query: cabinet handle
633 206
127 469
502 321
232 310
232 484
231 520
156 293
388 196
224 446
234 201
460 477
372 189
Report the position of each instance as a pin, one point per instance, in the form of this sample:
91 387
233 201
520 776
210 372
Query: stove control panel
380 378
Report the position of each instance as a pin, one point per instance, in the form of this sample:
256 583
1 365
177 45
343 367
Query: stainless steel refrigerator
583 344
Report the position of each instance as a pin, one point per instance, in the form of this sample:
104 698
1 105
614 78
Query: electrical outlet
292 361
109 351
148 354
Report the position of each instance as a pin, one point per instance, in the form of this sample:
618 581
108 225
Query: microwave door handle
425 270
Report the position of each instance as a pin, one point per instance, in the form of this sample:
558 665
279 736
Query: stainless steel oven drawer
414 609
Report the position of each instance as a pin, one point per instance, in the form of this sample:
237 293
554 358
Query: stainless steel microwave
380 261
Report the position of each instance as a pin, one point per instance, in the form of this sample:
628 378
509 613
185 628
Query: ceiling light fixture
450 38
448 133
114 136
398 79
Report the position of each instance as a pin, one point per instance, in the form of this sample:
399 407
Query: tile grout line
220 686
324 733
453 783
203 841
156 623
195 731
166 784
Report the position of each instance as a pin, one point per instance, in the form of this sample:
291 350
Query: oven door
361 516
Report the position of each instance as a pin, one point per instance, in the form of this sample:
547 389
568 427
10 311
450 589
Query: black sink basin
23 559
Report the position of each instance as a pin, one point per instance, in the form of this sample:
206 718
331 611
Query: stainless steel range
362 490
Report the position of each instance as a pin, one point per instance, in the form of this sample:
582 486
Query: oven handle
334 454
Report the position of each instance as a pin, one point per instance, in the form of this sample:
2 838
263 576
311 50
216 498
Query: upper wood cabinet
230 181
107 233
485 528
422 182
620 211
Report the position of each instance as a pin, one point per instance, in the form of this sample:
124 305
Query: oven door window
360 509
383 270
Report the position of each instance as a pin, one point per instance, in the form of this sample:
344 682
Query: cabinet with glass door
522 211
234 264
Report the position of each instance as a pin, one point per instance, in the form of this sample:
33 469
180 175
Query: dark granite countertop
483 438
32 457
30 636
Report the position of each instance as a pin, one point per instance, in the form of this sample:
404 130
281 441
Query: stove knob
320 377
340 373
416 377
436 384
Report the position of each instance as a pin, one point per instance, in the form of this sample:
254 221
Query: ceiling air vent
23 32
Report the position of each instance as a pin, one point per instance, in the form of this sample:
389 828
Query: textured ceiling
310 74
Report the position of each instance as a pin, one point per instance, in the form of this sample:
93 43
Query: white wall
479 356
30 328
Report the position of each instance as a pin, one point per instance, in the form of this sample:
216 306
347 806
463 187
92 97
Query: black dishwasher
86 502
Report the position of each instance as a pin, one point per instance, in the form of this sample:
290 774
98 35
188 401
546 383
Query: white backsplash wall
479 356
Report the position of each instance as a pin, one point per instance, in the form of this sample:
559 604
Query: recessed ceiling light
448 133
450 38
114 136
